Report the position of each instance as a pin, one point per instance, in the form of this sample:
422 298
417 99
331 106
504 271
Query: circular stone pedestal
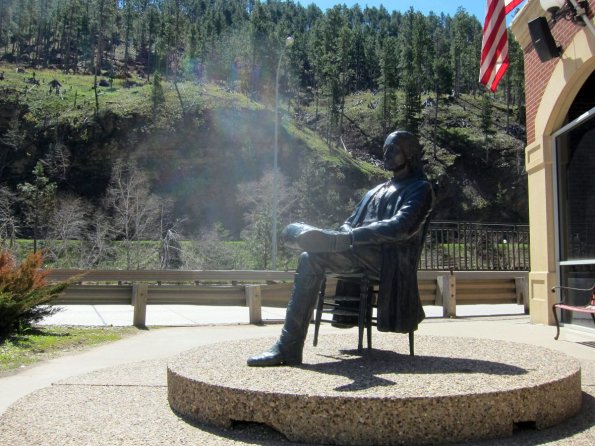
454 389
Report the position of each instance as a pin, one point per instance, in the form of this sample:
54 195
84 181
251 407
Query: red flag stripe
500 64
494 48
492 29
511 4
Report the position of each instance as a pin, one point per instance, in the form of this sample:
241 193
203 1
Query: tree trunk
96 96
179 95
435 120
508 106
99 44
385 106
127 37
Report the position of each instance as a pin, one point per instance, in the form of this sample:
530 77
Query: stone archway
568 77
573 70
573 167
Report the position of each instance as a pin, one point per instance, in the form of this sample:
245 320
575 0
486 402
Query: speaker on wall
543 41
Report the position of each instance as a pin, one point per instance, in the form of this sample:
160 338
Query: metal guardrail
466 246
165 275
255 289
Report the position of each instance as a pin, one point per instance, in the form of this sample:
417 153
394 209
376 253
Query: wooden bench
562 305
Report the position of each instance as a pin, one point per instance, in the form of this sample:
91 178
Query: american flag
494 45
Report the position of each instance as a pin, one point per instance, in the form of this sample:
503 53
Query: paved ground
117 393
191 315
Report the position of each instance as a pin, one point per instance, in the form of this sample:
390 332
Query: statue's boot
288 349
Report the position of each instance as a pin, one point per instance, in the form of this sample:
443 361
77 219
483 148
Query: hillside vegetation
159 125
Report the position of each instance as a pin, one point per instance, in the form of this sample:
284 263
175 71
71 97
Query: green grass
502 246
78 96
77 101
147 254
452 246
42 343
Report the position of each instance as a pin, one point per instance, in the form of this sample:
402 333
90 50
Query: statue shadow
365 368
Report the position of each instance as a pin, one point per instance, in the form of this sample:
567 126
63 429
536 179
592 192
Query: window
575 174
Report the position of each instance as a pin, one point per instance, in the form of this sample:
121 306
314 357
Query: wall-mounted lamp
566 9
541 35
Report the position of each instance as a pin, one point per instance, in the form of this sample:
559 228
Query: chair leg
363 306
369 314
411 340
319 307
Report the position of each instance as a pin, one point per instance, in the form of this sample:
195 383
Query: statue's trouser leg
308 279
306 286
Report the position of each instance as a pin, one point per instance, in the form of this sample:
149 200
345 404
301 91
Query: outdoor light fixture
572 10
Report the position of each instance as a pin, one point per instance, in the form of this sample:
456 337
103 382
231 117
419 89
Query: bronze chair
346 310
360 309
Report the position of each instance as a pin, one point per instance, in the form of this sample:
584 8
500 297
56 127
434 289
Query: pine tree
388 82
487 123
39 200
157 94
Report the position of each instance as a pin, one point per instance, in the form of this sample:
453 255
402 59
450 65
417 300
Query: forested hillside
140 120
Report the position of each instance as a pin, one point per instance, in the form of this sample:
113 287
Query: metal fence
257 289
466 246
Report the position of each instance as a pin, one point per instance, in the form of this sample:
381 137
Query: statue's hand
311 239
290 235
345 228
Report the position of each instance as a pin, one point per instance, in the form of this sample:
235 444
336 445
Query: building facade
560 160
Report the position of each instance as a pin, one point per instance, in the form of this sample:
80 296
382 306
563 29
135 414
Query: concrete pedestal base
454 389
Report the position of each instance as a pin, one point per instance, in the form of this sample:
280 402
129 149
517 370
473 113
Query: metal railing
449 246
466 246
255 289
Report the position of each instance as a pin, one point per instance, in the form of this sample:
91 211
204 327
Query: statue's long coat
390 224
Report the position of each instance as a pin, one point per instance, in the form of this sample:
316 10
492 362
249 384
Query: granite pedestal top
453 390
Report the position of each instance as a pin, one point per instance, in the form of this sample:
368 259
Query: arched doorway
574 179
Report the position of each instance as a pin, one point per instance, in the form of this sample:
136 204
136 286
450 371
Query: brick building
560 159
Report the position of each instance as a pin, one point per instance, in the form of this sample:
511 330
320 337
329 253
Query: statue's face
394 154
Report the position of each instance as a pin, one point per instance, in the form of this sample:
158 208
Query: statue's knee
308 264
304 262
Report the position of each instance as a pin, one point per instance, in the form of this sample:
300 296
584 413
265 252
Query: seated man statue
383 238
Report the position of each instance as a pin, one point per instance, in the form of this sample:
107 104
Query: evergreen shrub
25 296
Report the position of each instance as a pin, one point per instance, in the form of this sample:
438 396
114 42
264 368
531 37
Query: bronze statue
382 237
